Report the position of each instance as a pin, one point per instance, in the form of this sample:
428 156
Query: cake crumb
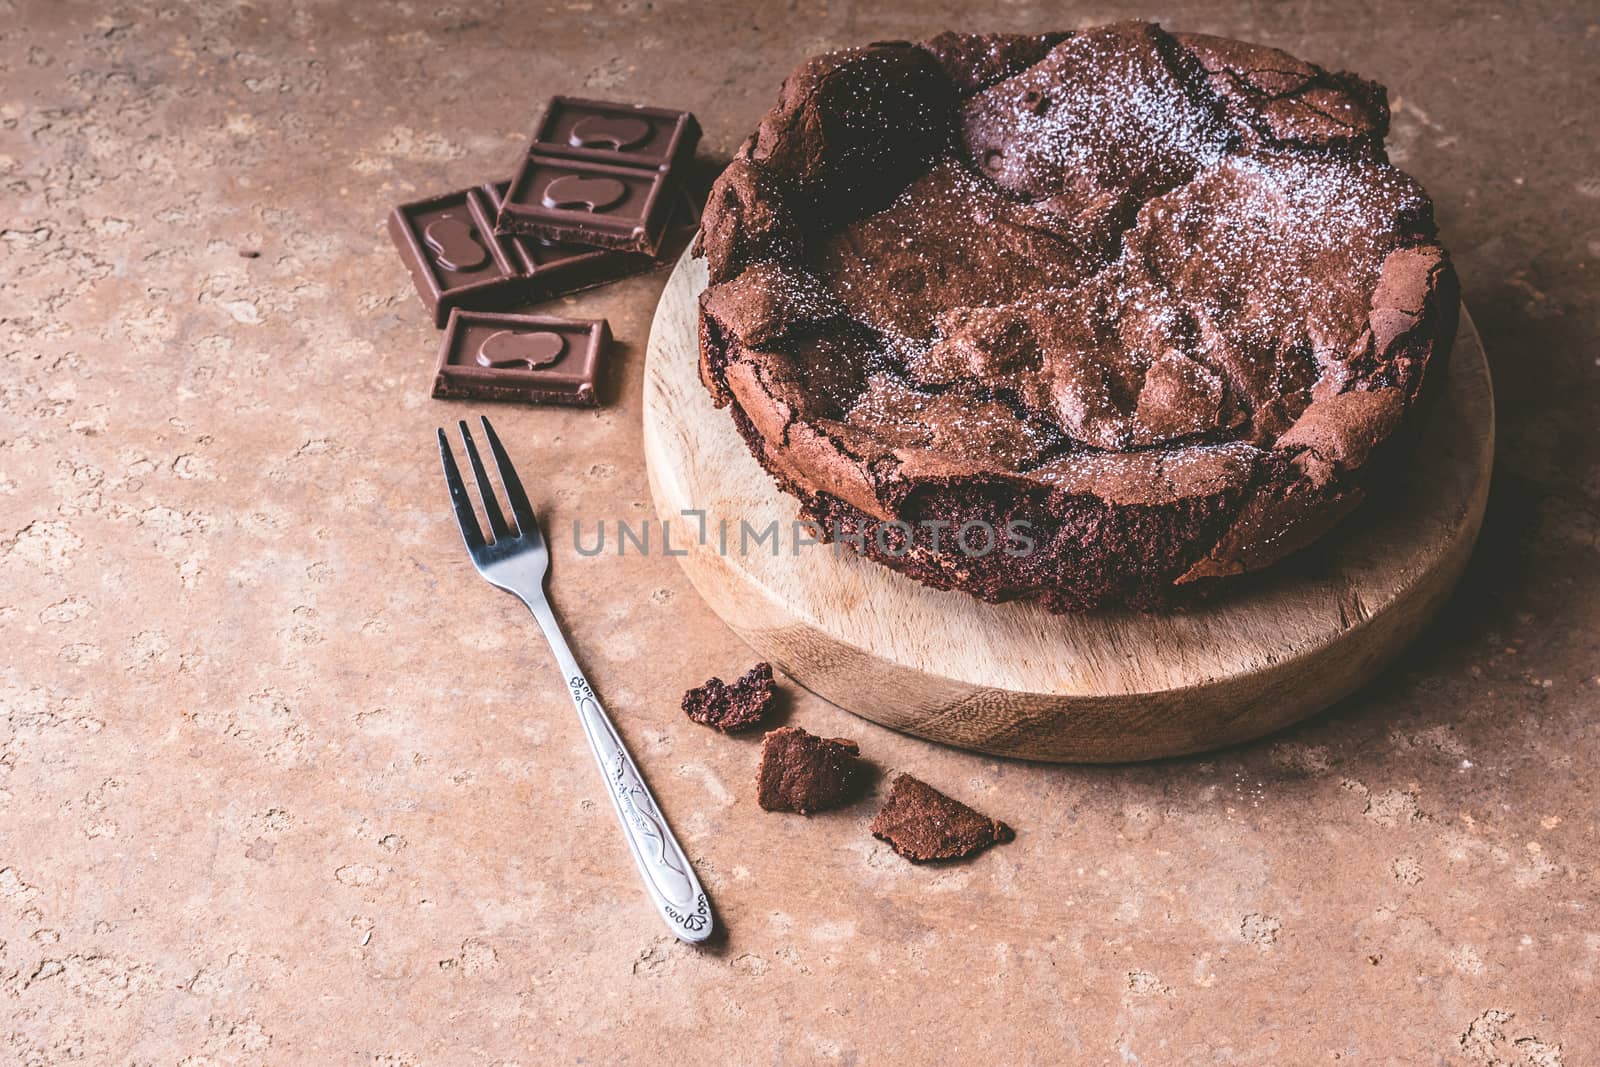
732 708
803 773
923 825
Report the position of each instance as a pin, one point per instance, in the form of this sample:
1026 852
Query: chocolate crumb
923 824
803 773
732 708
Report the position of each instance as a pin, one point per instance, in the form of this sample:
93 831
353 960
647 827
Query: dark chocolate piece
803 773
923 824
456 259
731 708
601 174
449 245
556 268
587 203
619 134
537 359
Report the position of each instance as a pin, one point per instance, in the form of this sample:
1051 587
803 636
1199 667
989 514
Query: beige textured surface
281 782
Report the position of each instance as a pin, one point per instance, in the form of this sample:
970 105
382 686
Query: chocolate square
555 268
455 258
625 208
619 134
537 359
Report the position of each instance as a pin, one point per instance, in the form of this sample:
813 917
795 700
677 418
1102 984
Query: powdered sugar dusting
950 240
1104 118
961 425
1115 220
1276 252
1112 120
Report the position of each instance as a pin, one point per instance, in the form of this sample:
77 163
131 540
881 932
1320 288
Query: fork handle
668 877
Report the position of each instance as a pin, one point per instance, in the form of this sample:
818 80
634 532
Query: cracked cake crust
1158 300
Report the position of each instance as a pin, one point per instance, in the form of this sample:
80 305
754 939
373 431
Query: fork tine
527 522
458 496
491 503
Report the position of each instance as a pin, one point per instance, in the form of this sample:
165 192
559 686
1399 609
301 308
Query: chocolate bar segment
619 134
537 359
455 258
555 268
625 208
601 174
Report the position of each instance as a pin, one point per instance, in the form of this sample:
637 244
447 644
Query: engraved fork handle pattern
668 877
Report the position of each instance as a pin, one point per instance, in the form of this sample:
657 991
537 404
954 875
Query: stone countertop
281 781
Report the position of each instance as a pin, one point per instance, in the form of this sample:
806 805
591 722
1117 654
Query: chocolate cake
1084 318
922 824
803 773
732 708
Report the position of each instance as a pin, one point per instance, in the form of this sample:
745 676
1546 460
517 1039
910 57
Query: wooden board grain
1015 680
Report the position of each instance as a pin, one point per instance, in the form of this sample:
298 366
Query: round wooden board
1015 680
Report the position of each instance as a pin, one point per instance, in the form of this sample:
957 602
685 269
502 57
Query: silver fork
516 560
